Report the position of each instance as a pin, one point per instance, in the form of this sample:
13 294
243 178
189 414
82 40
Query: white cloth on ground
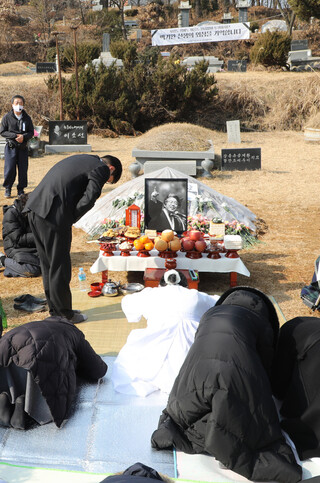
152 357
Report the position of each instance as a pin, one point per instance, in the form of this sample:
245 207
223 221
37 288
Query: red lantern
133 216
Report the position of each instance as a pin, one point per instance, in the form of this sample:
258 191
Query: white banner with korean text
203 33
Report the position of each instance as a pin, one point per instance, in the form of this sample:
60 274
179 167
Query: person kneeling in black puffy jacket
21 257
221 403
39 365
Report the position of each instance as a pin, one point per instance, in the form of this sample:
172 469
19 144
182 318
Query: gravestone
67 136
215 65
237 65
243 15
227 18
300 57
299 44
42 67
233 130
105 42
67 132
184 8
139 34
241 159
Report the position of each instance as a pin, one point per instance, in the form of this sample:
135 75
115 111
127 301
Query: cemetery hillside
127 87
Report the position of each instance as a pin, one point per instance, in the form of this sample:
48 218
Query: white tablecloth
134 263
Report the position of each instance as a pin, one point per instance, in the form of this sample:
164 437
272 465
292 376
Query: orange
138 245
148 246
145 239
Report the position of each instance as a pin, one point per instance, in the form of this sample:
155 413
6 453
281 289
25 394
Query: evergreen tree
304 9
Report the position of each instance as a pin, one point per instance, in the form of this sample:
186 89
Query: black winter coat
11 127
18 240
69 189
221 402
55 352
296 381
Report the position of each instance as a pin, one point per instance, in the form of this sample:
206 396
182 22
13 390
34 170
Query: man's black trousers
15 158
53 245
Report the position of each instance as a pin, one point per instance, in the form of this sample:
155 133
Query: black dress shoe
30 307
7 193
29 298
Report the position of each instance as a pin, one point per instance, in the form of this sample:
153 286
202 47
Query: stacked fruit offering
143 244
194 244
167 244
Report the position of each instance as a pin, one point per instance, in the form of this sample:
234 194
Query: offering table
133 262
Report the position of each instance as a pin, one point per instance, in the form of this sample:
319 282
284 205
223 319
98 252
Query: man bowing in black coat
66 193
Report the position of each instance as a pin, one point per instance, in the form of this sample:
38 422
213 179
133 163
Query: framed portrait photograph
166 204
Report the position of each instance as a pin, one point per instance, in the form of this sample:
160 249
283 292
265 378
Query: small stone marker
299 44
105 42
42 67
241 159
233 130
237 66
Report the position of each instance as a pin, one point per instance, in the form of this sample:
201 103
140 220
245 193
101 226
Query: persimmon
148 246
138 244
145 239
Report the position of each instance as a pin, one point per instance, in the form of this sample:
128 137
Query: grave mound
176 137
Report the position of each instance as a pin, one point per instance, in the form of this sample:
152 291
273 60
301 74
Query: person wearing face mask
17 128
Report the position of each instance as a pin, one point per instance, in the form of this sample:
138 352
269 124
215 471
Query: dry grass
284 193
176 137
314 121
267 101
262 100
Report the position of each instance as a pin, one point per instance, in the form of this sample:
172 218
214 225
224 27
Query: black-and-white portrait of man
166 204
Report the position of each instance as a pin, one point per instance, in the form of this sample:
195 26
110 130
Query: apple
195 235
200 245
187 244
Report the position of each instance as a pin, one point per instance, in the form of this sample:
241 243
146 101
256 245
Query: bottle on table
82 280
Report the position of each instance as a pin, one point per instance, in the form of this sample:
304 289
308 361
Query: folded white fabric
233 242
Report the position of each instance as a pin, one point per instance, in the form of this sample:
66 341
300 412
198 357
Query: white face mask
17 107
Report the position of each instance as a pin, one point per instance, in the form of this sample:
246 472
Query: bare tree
45 13
120 5
287 13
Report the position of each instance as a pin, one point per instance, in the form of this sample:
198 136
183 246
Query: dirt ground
284 193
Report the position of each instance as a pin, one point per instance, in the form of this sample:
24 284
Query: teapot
110 288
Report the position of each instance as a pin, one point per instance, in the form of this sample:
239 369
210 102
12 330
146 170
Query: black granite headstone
67 132
241 159
42 67
301 44
237 65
